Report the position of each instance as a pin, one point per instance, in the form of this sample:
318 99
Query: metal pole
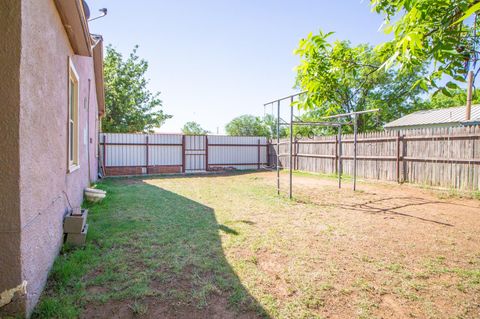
291 147
340 156
278 147
355 130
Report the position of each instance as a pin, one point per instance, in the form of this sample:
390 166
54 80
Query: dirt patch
397 250
111 309
217 309
96 290
154 308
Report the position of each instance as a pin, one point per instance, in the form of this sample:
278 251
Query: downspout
88 129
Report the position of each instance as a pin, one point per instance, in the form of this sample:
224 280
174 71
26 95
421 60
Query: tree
193 128
341 78
437 32
456 98
129 105
247 125
271 122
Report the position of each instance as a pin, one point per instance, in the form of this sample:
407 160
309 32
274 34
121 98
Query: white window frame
73 118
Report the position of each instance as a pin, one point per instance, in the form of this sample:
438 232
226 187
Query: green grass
143 240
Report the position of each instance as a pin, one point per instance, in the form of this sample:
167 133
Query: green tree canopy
271 122
129 105
193 128
435 32
456 98
247 125
341 78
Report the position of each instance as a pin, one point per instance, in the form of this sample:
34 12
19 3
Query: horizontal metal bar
349 114
236 164
129 166
140 144
285 98
249 145
315 123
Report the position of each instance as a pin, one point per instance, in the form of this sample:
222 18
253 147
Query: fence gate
196 153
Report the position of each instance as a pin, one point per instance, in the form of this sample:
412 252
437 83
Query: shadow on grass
151 253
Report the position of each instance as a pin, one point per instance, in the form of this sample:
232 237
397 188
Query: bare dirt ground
407 252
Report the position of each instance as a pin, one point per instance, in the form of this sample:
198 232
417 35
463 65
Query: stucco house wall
10 26
45 187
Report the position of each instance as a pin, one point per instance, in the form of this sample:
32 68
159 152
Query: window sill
73 168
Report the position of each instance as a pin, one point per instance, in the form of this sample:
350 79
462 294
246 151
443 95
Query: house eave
98 71
73 19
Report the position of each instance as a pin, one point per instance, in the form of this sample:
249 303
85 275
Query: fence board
444 157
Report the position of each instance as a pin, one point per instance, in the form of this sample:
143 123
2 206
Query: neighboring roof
454 115
74 20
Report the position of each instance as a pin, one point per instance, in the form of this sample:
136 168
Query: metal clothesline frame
338 125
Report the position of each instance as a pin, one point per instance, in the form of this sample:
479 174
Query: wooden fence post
404 155
398 158
268 152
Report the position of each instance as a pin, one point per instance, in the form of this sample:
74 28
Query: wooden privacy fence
445 157
138 154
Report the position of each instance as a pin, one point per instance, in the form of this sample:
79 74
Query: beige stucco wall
10 26
46 188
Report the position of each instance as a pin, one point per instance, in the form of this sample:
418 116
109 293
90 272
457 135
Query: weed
138 308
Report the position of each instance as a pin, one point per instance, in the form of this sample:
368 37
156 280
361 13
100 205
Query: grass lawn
226 246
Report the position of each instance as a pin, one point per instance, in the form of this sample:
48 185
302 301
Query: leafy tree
130 106
456 98
271 122
436 32
341 78
247 125
193 128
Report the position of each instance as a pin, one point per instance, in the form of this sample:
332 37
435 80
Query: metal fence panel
132 154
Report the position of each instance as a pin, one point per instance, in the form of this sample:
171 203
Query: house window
72 118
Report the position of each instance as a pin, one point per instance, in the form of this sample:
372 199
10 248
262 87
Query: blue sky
213 60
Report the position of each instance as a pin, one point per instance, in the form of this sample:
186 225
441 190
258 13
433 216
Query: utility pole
469 95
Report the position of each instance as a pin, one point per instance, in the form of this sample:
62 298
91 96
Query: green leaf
469 12
446 92
452 85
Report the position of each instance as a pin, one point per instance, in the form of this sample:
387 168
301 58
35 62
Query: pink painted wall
45 185
10 269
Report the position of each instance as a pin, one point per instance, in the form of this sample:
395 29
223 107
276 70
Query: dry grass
227 246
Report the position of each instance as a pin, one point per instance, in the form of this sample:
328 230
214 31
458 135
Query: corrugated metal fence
445 157
137 154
